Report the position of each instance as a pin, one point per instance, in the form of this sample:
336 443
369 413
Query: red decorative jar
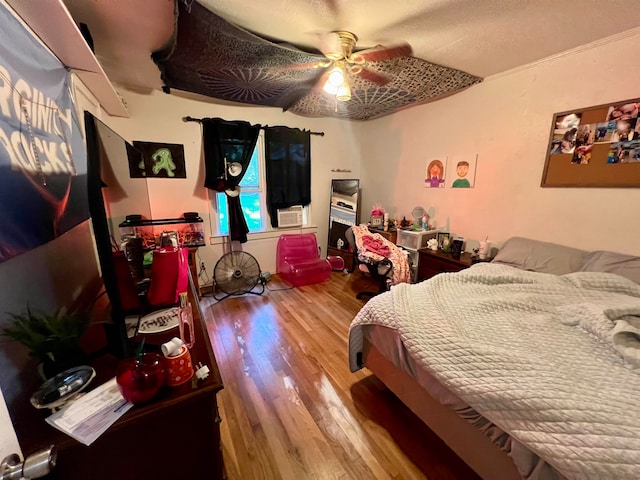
179 369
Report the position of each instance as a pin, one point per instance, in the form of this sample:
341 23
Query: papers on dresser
90 415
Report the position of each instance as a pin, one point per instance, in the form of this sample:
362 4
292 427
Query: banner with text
43 167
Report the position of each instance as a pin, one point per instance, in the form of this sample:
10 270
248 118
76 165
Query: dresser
434 262
391 234
175 435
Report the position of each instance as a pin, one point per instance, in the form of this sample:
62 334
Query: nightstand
433 262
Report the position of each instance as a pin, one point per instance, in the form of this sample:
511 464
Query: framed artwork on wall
159 160
595 147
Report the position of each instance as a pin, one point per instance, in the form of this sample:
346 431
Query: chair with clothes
382 259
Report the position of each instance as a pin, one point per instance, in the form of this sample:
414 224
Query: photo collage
620 128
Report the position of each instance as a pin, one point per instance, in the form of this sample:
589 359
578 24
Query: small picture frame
442 245
376 220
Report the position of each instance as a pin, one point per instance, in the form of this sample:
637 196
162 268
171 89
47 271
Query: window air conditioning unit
290 217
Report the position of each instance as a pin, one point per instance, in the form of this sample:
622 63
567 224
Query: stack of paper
90 415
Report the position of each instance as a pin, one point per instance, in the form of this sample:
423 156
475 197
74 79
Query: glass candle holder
140 378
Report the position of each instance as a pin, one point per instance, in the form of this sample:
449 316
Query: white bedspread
539 355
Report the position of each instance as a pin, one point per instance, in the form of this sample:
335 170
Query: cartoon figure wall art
462 169
435 175
465 172
159 160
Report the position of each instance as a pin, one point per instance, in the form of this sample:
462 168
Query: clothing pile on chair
376 245
373 247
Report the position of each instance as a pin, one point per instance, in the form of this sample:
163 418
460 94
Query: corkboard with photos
595 147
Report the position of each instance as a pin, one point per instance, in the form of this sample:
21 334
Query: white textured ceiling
481 37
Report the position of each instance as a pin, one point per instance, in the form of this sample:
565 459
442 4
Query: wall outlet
202 267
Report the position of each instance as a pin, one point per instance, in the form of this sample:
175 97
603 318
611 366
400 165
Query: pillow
624 265
537 256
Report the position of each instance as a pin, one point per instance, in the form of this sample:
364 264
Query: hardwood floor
291 409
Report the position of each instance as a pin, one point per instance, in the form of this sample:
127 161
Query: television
112 195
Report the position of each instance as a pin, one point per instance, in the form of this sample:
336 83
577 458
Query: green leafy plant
52 338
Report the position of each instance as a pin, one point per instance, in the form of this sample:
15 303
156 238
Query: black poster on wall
159 160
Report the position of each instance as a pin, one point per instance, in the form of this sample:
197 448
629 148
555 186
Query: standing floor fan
237 273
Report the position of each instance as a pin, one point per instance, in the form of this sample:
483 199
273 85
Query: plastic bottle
185 321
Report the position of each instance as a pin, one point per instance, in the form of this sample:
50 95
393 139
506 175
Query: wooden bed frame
464 439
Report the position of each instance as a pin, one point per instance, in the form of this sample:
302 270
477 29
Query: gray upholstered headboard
548 257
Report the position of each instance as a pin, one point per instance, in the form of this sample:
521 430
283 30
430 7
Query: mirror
112 195
343 213
122 194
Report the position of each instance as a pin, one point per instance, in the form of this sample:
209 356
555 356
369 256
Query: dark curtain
288 169
234 141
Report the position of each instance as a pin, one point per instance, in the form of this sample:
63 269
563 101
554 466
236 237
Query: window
252 195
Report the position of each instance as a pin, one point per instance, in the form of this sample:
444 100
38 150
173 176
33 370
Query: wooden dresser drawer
434 262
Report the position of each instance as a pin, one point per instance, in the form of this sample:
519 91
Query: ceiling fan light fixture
330 89
336 77
344 92
335 80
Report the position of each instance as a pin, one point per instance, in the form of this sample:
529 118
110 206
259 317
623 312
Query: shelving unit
412 241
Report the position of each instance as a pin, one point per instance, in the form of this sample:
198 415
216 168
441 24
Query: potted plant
54 339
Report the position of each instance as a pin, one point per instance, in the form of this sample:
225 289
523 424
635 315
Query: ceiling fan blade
316 86
309 65
380 53
322 79
374 77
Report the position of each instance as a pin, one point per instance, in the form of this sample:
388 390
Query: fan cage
236 273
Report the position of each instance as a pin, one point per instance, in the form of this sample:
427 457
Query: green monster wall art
159 160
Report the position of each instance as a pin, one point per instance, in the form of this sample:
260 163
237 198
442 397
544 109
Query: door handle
36 465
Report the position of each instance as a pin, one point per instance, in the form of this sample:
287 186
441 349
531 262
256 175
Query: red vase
140 379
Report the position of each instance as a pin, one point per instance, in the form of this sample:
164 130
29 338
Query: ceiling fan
249 69
342 58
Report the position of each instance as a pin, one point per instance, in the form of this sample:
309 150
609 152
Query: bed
527 367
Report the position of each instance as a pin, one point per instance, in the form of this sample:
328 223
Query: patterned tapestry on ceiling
43 182
212 57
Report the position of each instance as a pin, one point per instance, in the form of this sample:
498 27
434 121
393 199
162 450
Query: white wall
506 120
8 440
157 117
